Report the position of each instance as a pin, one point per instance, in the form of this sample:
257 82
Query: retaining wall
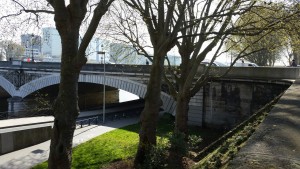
21 134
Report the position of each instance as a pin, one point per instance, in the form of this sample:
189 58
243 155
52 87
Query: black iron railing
98 119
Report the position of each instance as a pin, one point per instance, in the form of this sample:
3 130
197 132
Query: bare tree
163 26
11 50
129 35
272 45
68 19
205 28
196 27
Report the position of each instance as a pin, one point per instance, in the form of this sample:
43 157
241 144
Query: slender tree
162 25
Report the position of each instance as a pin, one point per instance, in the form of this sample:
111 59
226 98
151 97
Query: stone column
14 106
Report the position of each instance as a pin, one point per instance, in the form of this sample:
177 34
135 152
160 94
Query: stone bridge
20 79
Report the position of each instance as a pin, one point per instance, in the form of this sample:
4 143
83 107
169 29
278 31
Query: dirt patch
174 161
123 164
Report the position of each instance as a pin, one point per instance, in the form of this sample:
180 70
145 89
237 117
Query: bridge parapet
256 72
235 72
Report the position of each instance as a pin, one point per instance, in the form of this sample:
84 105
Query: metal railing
98 119
3 115
87 122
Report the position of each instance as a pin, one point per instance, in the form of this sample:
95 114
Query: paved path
276 143
28 157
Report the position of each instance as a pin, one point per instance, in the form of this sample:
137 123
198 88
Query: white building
51 43
97 50
32 45
174 60
51 47
125 54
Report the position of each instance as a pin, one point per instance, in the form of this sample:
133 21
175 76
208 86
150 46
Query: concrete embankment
276 143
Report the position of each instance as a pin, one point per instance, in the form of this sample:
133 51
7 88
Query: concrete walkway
28 157
276 143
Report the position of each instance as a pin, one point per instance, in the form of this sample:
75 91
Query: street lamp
103 53
32 58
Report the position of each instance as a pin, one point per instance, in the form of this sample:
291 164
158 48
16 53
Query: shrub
194 142
178 144
157 156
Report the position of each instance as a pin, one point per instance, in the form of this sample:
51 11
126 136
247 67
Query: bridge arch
113 81
7 86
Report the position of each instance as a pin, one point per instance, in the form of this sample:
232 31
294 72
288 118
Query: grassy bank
121 145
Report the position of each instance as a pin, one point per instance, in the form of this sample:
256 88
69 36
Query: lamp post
32 58
103 53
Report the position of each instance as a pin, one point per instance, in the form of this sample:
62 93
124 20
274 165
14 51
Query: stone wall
227 103
95 99
16 138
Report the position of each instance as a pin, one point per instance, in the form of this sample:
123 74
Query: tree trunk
150 113
296 57
66 105
295 49
181 118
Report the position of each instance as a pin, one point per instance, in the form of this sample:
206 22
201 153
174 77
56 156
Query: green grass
118 144
115 145
121 144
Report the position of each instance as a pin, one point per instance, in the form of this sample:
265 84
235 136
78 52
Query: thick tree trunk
68 20
150 113
181 118
66 112
66 106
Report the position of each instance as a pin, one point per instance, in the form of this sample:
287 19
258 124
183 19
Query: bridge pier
15 106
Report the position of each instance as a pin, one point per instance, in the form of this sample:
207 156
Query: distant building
32 44
51 43
52 48
95 46
126 54
173 60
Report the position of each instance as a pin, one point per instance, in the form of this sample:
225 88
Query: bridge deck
276 143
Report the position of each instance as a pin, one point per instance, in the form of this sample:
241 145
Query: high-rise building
52 46
51 43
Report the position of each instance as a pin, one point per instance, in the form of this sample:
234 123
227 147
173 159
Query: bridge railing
3 115
97 119
88 67
256 72
87 122
236 72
